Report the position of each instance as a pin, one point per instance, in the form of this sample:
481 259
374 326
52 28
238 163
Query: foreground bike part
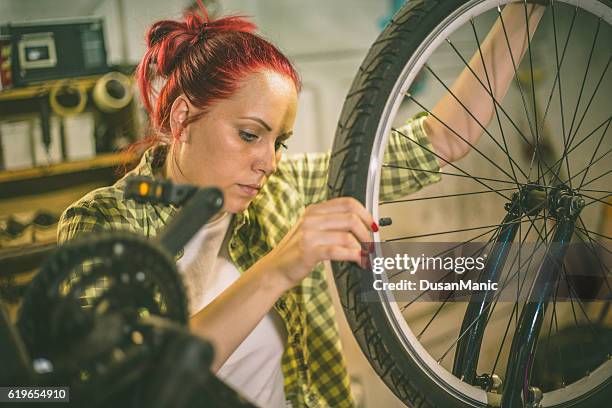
567 144
106 316
124 360
115 271
203 204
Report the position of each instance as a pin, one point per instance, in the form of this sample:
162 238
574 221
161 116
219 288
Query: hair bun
159 31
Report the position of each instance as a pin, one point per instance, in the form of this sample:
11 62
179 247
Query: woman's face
237 144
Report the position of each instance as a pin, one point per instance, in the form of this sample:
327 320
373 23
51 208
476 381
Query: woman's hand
331 230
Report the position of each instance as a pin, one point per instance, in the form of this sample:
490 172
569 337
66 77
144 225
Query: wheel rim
475 9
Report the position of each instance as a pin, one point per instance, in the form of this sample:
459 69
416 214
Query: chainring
117 271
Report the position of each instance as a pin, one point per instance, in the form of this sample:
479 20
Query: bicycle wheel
549 132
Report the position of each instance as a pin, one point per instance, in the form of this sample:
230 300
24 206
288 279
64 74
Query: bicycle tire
352 147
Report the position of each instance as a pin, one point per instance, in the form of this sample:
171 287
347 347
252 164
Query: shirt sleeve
410 162
79 219
411 165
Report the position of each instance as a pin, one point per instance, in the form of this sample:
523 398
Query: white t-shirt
254 368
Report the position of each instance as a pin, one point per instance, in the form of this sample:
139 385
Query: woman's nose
266 161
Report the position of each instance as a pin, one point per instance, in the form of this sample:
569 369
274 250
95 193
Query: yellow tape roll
112 92
67 98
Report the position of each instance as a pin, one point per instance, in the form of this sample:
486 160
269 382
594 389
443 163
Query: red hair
203 59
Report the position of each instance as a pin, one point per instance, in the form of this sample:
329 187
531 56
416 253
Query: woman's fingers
334 229
339 222
334 238
338 253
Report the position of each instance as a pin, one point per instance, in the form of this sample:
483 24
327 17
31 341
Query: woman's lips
249 190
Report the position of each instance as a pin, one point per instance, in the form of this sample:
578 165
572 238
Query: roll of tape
67 98
112 92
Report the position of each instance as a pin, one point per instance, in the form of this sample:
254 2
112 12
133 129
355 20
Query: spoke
586 74
493 100
443 196
521 238
553 319
461 137
476 178
535 110
590 100
455 231
571 300
593 243
565 147
595 191
435 315
592 247
593 157
586 169
587 232
578 300
558 77
595 200
423 292
447 251
516 77
597 178
559 162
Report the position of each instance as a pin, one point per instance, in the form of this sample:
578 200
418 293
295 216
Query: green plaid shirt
313 365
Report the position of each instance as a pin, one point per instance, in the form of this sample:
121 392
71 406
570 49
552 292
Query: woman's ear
178 115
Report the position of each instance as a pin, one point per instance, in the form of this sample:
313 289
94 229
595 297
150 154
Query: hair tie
202 33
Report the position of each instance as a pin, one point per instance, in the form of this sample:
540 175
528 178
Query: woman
223 103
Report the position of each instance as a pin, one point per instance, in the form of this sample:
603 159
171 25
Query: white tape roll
112 92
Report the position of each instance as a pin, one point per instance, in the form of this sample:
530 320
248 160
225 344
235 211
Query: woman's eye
249 137
278 145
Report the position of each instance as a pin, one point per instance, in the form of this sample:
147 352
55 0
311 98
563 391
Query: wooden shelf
36 90
102 160
39 180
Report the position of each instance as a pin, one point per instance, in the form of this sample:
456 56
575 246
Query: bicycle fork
564 206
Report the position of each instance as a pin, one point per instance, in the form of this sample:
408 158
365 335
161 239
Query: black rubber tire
348 171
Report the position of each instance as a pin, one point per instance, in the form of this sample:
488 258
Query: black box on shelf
55 49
